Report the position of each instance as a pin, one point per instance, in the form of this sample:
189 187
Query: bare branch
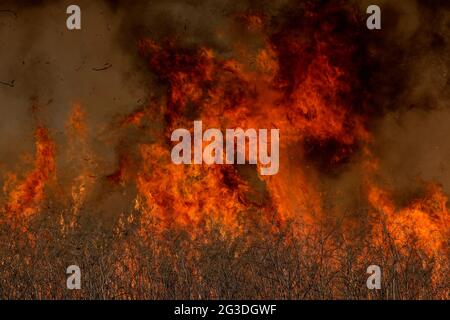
9 84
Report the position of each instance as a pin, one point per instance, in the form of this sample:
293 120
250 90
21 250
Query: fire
306 89
294 86
190 190
303 79
425 220
303 86
82 161
76 124
26 195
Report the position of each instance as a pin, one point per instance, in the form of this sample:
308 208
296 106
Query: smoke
412 88
53 68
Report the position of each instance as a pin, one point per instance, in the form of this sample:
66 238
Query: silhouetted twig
13 13
9 84
105 67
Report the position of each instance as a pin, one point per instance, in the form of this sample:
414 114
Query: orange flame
25 198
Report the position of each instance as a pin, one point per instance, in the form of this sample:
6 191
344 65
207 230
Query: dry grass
123 263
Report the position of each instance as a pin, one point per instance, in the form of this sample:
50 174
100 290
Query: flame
76 124
26 196
425 219
305 102
82 161
189 191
